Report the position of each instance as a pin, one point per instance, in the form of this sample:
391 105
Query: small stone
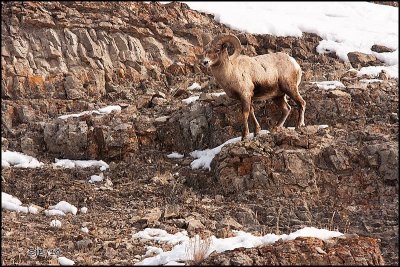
158 101
229 221
171 211
358 59
381 49
194 224
320 250
153 216
84 243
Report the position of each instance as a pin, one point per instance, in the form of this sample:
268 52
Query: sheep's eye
217 50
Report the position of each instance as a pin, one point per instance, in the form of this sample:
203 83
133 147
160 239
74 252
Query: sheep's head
216 51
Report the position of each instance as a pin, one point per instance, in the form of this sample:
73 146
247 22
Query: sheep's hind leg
282 103
246 107
294 94
257 127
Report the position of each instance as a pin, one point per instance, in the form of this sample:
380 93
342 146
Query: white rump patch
297 66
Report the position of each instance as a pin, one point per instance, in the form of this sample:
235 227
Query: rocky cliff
69 57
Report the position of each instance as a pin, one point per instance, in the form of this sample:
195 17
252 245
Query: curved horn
232 39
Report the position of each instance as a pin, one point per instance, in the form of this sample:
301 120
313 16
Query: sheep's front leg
257 127
246 107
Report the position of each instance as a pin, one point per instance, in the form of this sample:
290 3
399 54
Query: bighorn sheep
262 77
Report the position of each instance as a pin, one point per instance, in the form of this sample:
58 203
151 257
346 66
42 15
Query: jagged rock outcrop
210 122
316 176
291 161
358 59
305 251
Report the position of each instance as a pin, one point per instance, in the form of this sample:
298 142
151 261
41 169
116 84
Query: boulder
358 59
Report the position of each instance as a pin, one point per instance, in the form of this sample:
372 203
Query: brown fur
263 77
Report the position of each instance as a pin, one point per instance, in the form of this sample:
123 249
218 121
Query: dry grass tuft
197 249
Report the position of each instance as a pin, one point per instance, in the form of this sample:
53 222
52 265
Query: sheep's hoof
257 132
276 128
245 138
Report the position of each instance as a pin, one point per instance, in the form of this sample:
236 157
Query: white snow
174 263
84 210
5 164
179 252
218 94
323 126
343 26
161 236
175 155
54 213
33 210
150 250
85 229
328 85
55 224
13 207
96 178
65 261
194 86
12 203
65 207
371 81
109 109
100 111
374 71
18 160
190 99
9 198
203 158
67 163
162 118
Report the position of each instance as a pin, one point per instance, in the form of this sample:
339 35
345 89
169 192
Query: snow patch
150 250
67 163
162 118
33 210
194 86
100 111
190 99
203 158
12 203
54 213
65 261
328 85
161 236
374 71
55 224
179 253
371 81
85 230
65 207
84 210
175 155
218 94
96 178
18 160
343 26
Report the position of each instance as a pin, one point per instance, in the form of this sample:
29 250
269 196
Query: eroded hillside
339 173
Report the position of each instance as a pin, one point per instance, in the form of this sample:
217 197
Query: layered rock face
60 57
